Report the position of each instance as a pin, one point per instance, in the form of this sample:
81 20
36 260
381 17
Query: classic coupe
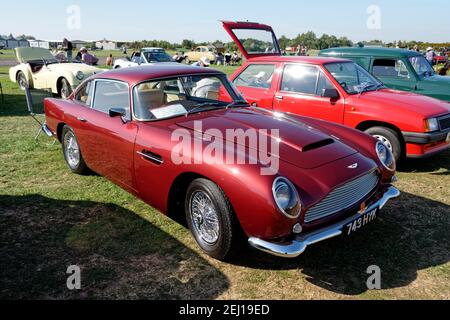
200 52
398 69
39 69
337 90
127 125
145 56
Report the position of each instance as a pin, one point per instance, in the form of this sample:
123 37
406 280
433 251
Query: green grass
50 219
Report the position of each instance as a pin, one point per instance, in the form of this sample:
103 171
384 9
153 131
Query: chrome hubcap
71 150
204 218
23 83
386 142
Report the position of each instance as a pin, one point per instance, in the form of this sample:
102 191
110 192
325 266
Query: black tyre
64 89
22 81
72 152
211 219
390 138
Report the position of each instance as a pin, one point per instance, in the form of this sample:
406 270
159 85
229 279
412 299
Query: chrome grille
444 122
343 197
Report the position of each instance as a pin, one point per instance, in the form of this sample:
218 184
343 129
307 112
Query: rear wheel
72 152
211 219
64 89
22 80
390 139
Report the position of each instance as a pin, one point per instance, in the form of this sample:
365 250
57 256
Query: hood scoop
317 145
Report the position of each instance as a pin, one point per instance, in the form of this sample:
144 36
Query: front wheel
210 218
65 89
72 152
390 139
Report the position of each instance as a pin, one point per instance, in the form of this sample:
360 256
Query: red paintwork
110 148
402 110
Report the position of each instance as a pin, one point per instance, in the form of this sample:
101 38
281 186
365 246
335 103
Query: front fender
69 76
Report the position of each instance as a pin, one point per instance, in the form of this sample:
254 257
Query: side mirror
330 93
117 112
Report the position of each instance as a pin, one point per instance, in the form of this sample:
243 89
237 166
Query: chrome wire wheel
204 217
22 81
71 150
385 140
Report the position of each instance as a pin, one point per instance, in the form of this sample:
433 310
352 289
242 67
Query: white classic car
145 56
39 69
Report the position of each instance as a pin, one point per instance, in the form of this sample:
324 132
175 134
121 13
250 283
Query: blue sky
198 19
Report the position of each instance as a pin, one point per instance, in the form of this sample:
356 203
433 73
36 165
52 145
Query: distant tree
284 42
188 44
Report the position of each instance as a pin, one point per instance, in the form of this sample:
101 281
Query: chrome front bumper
298 246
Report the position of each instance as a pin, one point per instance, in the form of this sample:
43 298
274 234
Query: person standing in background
68 47
110 61
430 55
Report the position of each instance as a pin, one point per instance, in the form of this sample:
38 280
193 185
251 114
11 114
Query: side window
256 76
84 94
111 94
300 79
323 84
390 68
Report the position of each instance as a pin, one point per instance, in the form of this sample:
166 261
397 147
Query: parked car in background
398 69
331 180
145 56
39 69
200 52
338 90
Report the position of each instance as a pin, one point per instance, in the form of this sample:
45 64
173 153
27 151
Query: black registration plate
360 222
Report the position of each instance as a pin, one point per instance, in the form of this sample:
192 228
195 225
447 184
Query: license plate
360 222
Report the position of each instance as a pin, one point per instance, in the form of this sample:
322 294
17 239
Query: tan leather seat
151 98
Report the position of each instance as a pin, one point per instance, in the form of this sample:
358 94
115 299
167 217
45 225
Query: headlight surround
80 75
286 197
385 155
431 125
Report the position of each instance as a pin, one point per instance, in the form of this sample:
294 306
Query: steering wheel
344 85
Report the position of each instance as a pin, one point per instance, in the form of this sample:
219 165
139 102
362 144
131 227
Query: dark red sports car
232 170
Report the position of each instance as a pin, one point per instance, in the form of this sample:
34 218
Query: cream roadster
39 69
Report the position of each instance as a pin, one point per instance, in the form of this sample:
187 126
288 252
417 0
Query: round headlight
286 198
80 75
385 155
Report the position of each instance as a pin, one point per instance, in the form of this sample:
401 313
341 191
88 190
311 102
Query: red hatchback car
161 132
337 90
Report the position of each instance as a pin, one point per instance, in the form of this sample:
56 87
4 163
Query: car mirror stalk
118 112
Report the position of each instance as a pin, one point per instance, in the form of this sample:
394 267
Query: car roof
151 48
298 59
364 51
142 73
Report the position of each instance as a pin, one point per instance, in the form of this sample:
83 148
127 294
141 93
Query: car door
301 91
256 84
109 141
394 73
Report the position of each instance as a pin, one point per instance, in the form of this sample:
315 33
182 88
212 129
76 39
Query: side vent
317 145
152 157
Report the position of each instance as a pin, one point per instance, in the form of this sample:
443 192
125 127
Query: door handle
81 119
279 97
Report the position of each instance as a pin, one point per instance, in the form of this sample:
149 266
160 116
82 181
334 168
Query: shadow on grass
411 235
13 105
438 162
121 255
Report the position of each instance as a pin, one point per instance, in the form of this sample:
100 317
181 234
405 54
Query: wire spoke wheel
205 219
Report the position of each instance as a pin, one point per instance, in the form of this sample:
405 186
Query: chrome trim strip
298 246
154 159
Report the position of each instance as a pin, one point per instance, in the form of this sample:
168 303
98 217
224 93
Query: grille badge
353 166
